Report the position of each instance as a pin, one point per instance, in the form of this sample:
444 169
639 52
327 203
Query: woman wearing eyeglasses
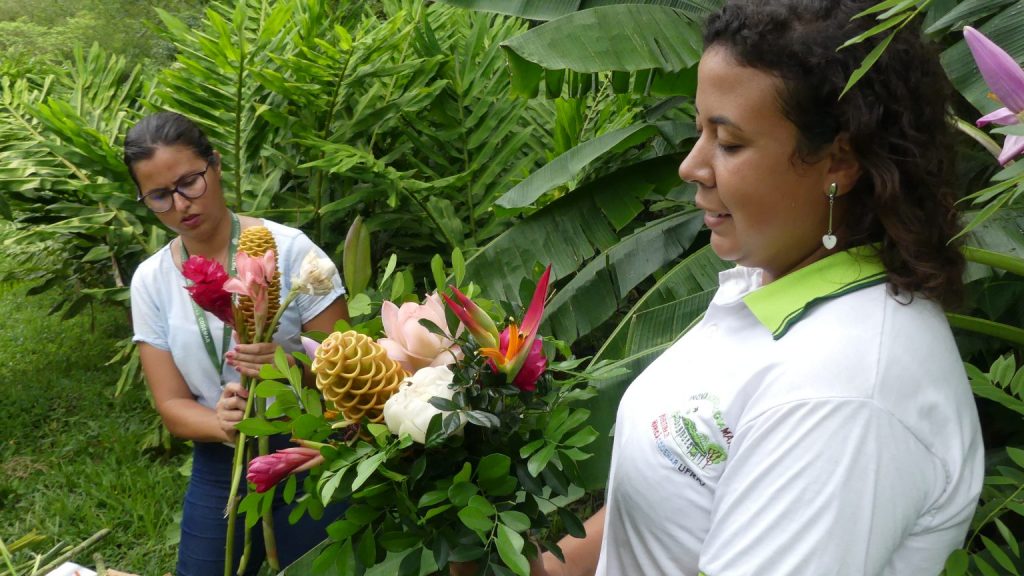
192 367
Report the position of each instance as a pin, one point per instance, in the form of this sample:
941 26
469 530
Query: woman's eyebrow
173 184
719 120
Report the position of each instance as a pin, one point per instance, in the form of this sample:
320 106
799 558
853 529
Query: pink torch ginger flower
410 343
252 280
266 471
1006 80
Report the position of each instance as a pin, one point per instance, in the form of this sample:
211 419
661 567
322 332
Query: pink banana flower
1005 79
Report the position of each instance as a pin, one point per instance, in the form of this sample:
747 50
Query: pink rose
411 344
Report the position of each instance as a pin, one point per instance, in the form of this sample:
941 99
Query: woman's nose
695 167
180 201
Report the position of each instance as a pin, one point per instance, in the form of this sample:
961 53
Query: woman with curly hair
818 420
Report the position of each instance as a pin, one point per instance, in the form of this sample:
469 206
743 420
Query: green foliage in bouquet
472 462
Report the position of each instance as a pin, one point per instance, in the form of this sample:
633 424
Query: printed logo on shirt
694 438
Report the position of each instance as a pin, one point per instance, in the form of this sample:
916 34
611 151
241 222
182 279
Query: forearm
190 420
581 554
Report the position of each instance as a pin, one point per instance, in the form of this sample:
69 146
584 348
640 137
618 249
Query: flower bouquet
451 438
250 304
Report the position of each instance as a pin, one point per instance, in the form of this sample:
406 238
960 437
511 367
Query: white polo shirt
814 426
162 313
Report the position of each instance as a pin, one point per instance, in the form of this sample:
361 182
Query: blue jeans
204 526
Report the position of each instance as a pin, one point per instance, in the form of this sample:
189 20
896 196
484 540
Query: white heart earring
829 239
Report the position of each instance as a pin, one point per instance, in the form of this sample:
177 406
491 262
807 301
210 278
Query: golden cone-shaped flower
356 375
255 242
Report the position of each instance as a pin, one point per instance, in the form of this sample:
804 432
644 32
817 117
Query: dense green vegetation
36 32
70 456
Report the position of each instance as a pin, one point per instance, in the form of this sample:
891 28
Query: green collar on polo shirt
782 303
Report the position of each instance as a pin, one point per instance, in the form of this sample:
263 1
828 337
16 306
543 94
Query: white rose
315 275
409 410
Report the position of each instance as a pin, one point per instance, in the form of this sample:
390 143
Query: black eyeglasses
191 186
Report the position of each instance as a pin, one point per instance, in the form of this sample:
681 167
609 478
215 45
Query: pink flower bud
266 471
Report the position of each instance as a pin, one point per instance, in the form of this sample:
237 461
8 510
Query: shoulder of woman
249 221
156 263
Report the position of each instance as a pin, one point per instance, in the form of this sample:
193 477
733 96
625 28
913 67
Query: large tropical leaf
563 169
551 9
1001 233
695 275
658 44
967 12
602 286
581 232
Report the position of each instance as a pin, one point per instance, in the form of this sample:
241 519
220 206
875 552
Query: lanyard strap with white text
204 325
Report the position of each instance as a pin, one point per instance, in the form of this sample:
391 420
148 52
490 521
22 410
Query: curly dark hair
896 118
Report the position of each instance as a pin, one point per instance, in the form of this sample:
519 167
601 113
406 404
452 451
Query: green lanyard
204 325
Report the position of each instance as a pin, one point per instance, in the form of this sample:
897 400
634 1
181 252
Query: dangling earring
829 240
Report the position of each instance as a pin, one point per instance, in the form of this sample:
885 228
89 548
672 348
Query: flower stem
272 327
246 552
978 136
269 542
236 478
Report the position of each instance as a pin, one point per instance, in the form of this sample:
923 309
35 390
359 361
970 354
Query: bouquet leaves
250 302
476 456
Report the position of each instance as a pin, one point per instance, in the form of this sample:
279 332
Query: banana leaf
602 286
657 41
574 229
561 170
694 275
551 9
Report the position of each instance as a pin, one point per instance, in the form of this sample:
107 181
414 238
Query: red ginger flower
266 471
207 289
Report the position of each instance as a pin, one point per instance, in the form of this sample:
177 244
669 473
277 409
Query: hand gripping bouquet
250 302
451 442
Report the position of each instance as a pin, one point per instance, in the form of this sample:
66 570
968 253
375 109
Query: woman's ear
216 161
844 166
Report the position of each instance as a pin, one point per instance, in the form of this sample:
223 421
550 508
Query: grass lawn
70 461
